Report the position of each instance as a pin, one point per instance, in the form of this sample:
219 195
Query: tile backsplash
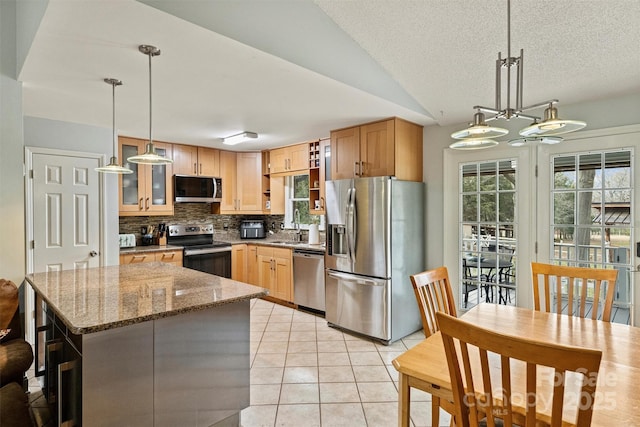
200 213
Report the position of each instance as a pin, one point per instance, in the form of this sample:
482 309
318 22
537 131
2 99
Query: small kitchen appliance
252 229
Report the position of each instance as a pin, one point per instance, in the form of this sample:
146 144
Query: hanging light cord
150 103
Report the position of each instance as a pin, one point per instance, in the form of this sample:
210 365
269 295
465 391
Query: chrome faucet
296 225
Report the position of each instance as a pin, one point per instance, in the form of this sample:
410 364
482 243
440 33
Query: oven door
211 260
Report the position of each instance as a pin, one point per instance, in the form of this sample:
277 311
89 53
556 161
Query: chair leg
435 411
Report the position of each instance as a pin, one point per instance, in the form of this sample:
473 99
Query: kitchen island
148 344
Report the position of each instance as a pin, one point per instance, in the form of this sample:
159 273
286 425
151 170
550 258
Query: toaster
252 229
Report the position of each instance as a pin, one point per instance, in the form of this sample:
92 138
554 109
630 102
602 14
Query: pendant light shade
114 166
547 140
150 156
479 129
552 125
473 144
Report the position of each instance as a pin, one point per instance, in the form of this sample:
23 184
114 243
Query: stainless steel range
201 252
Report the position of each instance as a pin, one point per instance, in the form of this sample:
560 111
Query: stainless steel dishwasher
308 279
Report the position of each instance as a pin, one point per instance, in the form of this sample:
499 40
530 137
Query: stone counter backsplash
200 213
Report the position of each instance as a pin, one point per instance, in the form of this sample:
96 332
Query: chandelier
481 135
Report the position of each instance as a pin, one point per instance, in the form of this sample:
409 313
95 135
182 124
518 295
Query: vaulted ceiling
291 70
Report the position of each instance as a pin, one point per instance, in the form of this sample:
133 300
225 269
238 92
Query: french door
572 203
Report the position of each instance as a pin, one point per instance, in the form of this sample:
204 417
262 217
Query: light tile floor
305 373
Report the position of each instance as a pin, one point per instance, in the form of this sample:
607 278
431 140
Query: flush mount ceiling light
238 138
550 125
548 140
150 157
113 166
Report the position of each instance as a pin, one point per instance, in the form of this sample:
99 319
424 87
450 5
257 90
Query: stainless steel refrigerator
375 241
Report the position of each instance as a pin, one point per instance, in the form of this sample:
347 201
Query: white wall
609 113
47 133
12 244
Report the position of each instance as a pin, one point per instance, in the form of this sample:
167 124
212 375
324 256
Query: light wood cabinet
275 271
252 265
239 262
241 183
148 190
192 160
170 256
391 147
289 159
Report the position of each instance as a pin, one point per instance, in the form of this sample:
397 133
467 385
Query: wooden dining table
617 400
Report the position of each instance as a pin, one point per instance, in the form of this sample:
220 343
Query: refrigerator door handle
354 221
348 225
351 278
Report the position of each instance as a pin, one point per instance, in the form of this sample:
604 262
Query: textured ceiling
292 70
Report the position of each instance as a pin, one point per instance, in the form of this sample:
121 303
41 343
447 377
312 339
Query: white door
66 225
492 225
64 215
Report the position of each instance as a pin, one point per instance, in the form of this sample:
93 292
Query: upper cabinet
390 147
241 175
289 159
192 160
148 190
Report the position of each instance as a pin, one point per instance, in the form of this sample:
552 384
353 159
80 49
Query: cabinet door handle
147 203
361 173
195 170
62 368
200 171
355 169
140 204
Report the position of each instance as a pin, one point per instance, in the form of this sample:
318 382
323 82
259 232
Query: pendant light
113 166
150 157
550 125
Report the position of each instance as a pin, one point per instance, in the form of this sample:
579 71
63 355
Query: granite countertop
150 248
97 299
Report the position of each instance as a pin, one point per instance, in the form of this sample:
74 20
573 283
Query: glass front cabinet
148 190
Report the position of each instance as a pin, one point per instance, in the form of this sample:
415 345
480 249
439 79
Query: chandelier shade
473 144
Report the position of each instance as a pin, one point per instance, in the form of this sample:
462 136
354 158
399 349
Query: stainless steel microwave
199 189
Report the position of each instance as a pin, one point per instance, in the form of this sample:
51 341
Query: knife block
162 241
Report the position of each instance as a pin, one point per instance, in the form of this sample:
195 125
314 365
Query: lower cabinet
275 271
239 262
169 256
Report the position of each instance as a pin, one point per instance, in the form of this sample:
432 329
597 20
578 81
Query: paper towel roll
314 234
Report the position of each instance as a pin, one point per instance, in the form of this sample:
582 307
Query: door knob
93 253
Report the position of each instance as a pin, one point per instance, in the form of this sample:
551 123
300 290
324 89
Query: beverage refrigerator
375 241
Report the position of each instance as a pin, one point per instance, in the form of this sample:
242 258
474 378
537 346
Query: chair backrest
433 294
511 392
575 279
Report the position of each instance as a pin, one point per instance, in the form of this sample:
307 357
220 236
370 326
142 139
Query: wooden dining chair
502 377
576 279
433 294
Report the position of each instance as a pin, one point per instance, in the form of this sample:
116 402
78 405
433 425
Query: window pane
469 178
586 210
618 170
301 186
488 207
487 176
507 207
470 207
563 208
303 207
590 171
507 175
564 172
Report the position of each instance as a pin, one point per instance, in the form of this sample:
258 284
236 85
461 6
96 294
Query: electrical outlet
282 226
273 225
225 226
